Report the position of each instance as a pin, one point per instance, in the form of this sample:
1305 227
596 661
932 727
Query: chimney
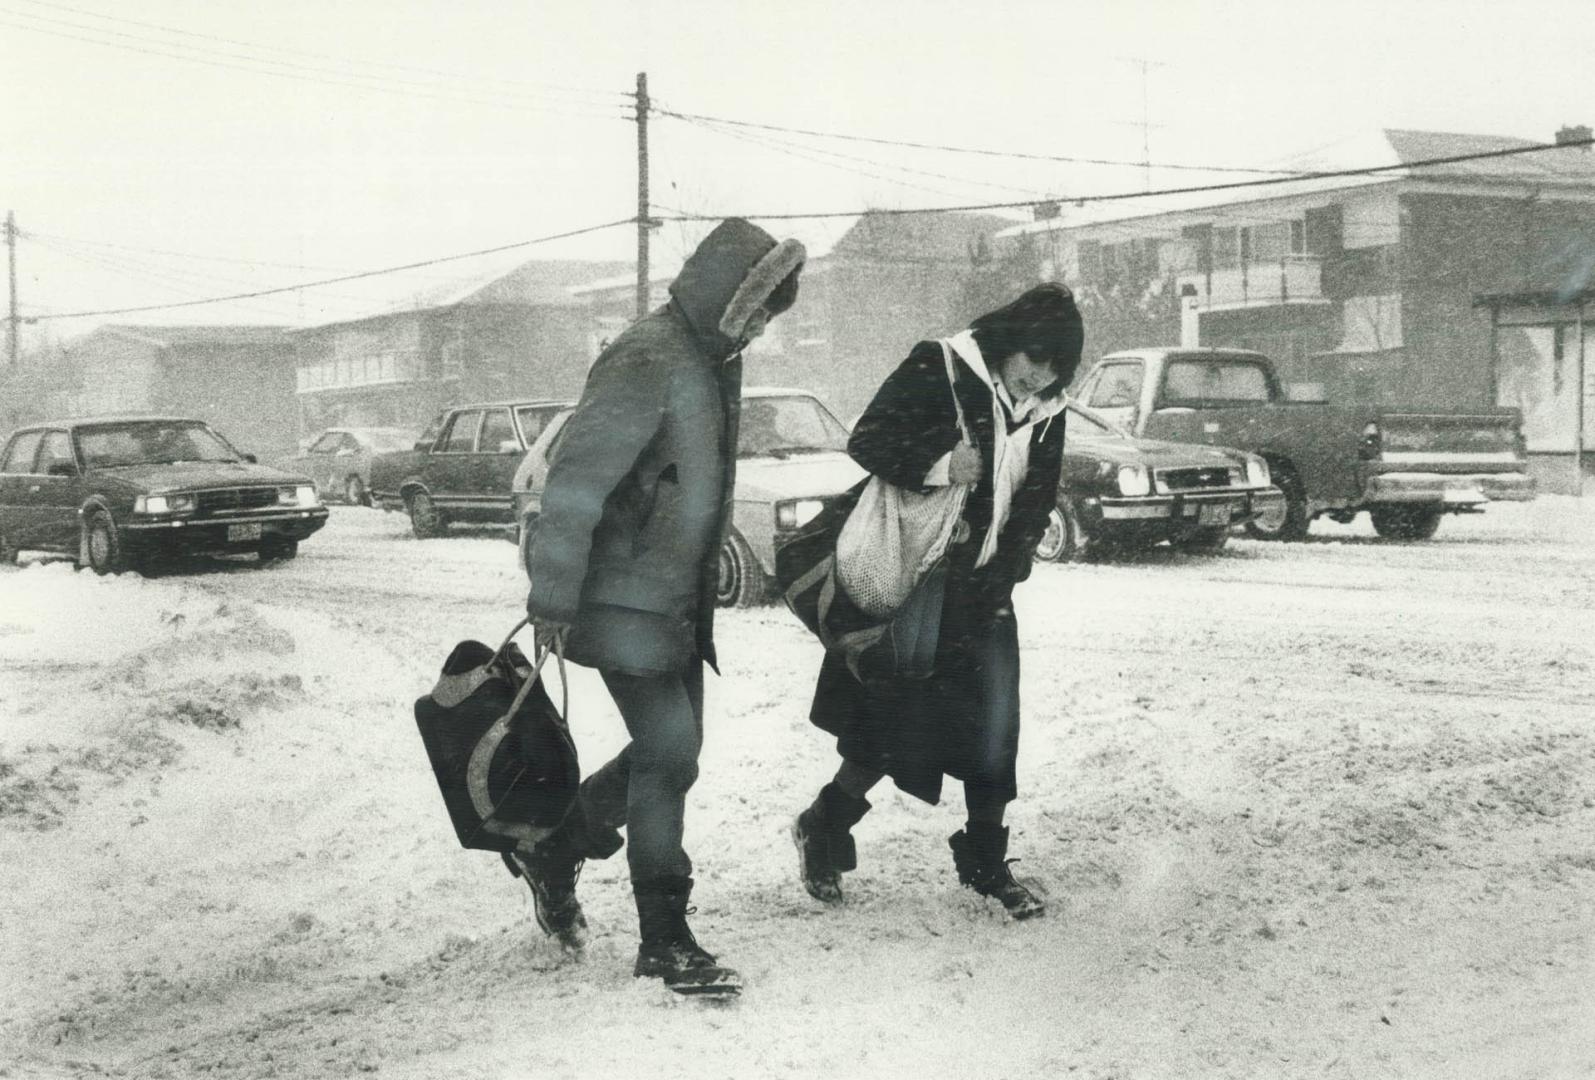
1579 134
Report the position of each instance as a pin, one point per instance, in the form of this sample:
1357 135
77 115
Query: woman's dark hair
1042 323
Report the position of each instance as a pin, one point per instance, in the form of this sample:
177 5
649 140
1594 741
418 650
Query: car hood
1151 452
199 475
796 476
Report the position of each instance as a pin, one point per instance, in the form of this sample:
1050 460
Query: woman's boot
825 844
980 852
668 950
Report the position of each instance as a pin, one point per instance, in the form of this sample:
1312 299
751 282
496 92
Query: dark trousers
645 786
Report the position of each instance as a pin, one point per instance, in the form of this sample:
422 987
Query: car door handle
35 488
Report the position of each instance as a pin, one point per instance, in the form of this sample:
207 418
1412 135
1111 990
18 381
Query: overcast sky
308 137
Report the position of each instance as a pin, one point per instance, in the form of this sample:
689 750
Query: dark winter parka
639 492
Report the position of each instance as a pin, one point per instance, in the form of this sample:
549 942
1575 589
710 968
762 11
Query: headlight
1134 480
163 504
796 513
1256 472
303 495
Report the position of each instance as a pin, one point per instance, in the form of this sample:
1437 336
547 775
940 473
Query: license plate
1214 514
245 530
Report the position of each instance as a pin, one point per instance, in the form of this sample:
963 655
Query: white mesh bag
893 536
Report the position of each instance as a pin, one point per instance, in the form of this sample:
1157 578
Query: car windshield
782 426
1214 380
150 442
383 440
1087 424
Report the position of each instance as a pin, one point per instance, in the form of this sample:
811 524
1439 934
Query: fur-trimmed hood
736 268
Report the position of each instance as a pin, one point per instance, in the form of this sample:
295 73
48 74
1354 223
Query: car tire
1065 540
1291 522
1205 541
1405 522
355 493
102 545
425 518
739 582
278 550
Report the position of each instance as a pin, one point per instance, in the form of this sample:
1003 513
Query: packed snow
1322 809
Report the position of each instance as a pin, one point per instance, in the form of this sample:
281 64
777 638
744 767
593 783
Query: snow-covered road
1321 809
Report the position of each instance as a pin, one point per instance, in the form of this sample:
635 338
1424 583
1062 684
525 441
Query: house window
1226 248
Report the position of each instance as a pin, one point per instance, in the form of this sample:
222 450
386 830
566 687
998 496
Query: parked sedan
460 467
1120 492
339 459
116 492
791 458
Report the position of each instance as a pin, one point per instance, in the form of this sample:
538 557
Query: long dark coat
916 732
639 493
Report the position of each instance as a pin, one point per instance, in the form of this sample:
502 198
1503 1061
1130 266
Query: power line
43 238
1372 170
345 277
605 96
970 150
803 151
409 89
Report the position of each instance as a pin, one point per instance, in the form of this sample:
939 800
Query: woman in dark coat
963 722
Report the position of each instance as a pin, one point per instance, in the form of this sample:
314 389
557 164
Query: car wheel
425 518
1405 522
278 550
1288 522
103 545
354 492
1205 541
1065 540
740 581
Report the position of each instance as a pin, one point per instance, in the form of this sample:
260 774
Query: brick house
504 332
1364 286
239 379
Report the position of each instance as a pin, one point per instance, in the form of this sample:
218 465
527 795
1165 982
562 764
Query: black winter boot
980 853
668 950
551 870
825 844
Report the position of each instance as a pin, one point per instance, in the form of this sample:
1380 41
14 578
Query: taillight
1372 444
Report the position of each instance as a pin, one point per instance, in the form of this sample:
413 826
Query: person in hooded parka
1010 367
623 571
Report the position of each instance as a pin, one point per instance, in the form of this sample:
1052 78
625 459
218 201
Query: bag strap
538 660
952 385
476 768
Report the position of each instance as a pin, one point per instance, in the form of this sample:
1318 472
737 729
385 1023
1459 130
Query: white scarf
1010 449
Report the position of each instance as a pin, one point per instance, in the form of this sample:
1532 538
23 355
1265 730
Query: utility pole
11 259
642 194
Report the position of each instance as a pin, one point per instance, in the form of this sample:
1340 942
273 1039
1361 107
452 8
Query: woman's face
1022 376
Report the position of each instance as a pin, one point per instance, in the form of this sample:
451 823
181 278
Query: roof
1574 165
930 236
168 337
115 418
507 278
1390 149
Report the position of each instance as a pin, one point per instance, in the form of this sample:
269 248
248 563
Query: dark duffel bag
503 755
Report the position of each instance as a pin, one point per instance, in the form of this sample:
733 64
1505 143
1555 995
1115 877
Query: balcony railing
1289 279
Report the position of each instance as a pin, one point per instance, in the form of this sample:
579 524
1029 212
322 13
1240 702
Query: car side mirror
61 468
251 458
